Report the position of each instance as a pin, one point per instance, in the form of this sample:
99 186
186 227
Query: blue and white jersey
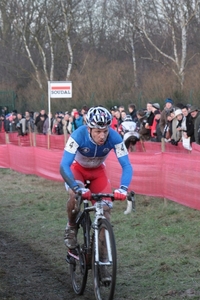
81 148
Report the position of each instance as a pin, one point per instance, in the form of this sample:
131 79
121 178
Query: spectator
42 113
55 121
150 117
11 122
132 112
21 124
46 128
118 118
84 118
4 111
156 134
78 120
155 107
123 115
189 132
2 123
142 130
163 119
179 105
121 108
122 118
29 122
178 125
35 115
70 126
58 126
65 123
84 110
114 119
73 111
167 132
40 124
129 133
194 111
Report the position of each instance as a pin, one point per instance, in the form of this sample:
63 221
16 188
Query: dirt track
25 275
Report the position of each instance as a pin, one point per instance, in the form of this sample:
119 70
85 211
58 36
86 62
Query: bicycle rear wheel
78 266
104 264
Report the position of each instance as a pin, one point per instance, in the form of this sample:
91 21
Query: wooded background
113 51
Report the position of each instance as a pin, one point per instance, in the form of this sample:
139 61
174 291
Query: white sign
60 89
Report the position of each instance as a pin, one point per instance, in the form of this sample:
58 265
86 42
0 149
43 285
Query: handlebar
98 197
95 197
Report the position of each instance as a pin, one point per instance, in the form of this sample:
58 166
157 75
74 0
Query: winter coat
78 122
177 134
196 128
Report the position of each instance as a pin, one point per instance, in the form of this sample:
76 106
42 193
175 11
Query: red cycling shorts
99 182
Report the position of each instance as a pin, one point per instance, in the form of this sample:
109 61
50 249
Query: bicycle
96 250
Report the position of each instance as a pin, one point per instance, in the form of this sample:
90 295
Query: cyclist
83 160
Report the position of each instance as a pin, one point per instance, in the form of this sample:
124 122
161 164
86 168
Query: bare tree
163 21
67 15
44 27
128 14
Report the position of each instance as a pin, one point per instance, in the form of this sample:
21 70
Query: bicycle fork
106 248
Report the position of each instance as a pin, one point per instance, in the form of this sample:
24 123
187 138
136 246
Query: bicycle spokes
104 262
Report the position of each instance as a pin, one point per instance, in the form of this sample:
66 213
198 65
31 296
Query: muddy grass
158 246
31 269
26 275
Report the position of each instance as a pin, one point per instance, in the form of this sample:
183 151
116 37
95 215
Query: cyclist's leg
101 184
71 228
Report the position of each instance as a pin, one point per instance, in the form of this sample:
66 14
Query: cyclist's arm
127 171
122 156
66 162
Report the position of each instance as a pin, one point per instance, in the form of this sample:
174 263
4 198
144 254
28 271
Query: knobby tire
105 290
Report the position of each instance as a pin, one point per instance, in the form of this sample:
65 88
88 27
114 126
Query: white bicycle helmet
98 117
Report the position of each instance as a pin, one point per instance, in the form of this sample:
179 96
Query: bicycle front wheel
104 263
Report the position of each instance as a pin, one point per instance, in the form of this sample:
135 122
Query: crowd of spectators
174 123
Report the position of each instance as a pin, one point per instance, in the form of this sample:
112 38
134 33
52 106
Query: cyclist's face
99 136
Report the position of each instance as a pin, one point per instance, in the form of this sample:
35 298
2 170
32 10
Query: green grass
158 246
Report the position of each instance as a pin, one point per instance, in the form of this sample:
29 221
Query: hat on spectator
156 105
169 100
193 108
76 113
156 112
178 112
114 108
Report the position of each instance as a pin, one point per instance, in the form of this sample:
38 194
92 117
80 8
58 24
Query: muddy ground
25 275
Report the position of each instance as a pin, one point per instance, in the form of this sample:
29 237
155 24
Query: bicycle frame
85 216
89 254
